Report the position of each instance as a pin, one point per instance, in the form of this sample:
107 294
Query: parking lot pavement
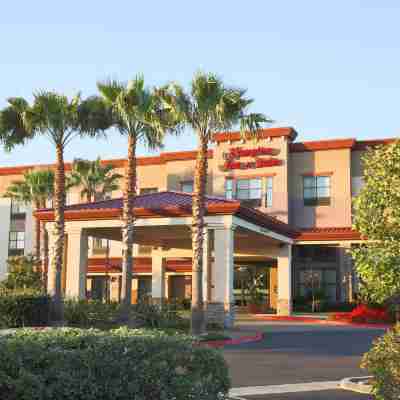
317 395
291 354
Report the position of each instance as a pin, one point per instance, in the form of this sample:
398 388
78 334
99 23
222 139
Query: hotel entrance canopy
163 220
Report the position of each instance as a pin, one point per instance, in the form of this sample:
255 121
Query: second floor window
187 186
316 190
250 191
17 207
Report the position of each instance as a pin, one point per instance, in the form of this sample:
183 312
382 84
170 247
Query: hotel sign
232 158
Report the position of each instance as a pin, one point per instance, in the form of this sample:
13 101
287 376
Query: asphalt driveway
299 353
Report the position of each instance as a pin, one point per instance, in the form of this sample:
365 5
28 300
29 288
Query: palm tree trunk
59 231
128 218
198 210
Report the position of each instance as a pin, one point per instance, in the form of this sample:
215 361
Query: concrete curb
229 342
357 384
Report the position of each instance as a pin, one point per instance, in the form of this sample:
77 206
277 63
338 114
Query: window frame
316 199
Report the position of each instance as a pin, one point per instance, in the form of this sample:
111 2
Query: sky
330 69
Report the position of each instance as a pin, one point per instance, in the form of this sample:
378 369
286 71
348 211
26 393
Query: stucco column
51 271
207 249
222 274
285 280
157 276
5 213
77 259
346 272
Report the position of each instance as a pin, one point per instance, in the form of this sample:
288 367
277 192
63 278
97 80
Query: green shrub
74 364
23 308
158 317
23 272
90 313
383 362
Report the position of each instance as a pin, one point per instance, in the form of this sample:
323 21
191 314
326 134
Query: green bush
74 364
383 362
158 317
23 308
23 272
90 313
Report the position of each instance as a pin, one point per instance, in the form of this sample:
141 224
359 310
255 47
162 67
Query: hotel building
275 206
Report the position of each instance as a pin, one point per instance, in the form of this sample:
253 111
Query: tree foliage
36 187
209 107
23 273
377 218
94 179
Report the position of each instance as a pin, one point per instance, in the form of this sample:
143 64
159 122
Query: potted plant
254 289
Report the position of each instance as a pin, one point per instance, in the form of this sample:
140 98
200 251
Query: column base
220 314
284 307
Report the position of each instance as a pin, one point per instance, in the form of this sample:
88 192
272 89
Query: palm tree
208 108
137 113
60 120
37 187
96 180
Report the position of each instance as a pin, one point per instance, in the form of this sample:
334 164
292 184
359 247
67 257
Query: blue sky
329 69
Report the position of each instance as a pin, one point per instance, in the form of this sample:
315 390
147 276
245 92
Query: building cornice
262 134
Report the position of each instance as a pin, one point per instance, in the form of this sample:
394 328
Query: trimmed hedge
383 362
74 364
23 308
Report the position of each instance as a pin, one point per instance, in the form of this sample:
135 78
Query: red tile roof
168 204
328 233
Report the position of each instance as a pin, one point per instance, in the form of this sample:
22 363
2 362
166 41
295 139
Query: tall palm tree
137 114
95 179
60 120
209 107
36 188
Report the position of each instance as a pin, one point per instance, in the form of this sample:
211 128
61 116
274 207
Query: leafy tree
209 107
377 218
137 114
60 120
95 179
36 188
23 273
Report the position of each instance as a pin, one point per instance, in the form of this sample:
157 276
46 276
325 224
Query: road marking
280 389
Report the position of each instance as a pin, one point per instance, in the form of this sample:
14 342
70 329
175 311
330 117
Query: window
102 196
229 189
249 191
17 207
316 190
268 194
357 183
16 245
318 280
317 253
100 245
148 190
187 186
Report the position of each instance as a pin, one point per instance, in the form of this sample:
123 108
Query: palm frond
110 89
15 128
251 124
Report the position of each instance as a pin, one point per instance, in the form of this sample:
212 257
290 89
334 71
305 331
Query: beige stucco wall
279 207
333 162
